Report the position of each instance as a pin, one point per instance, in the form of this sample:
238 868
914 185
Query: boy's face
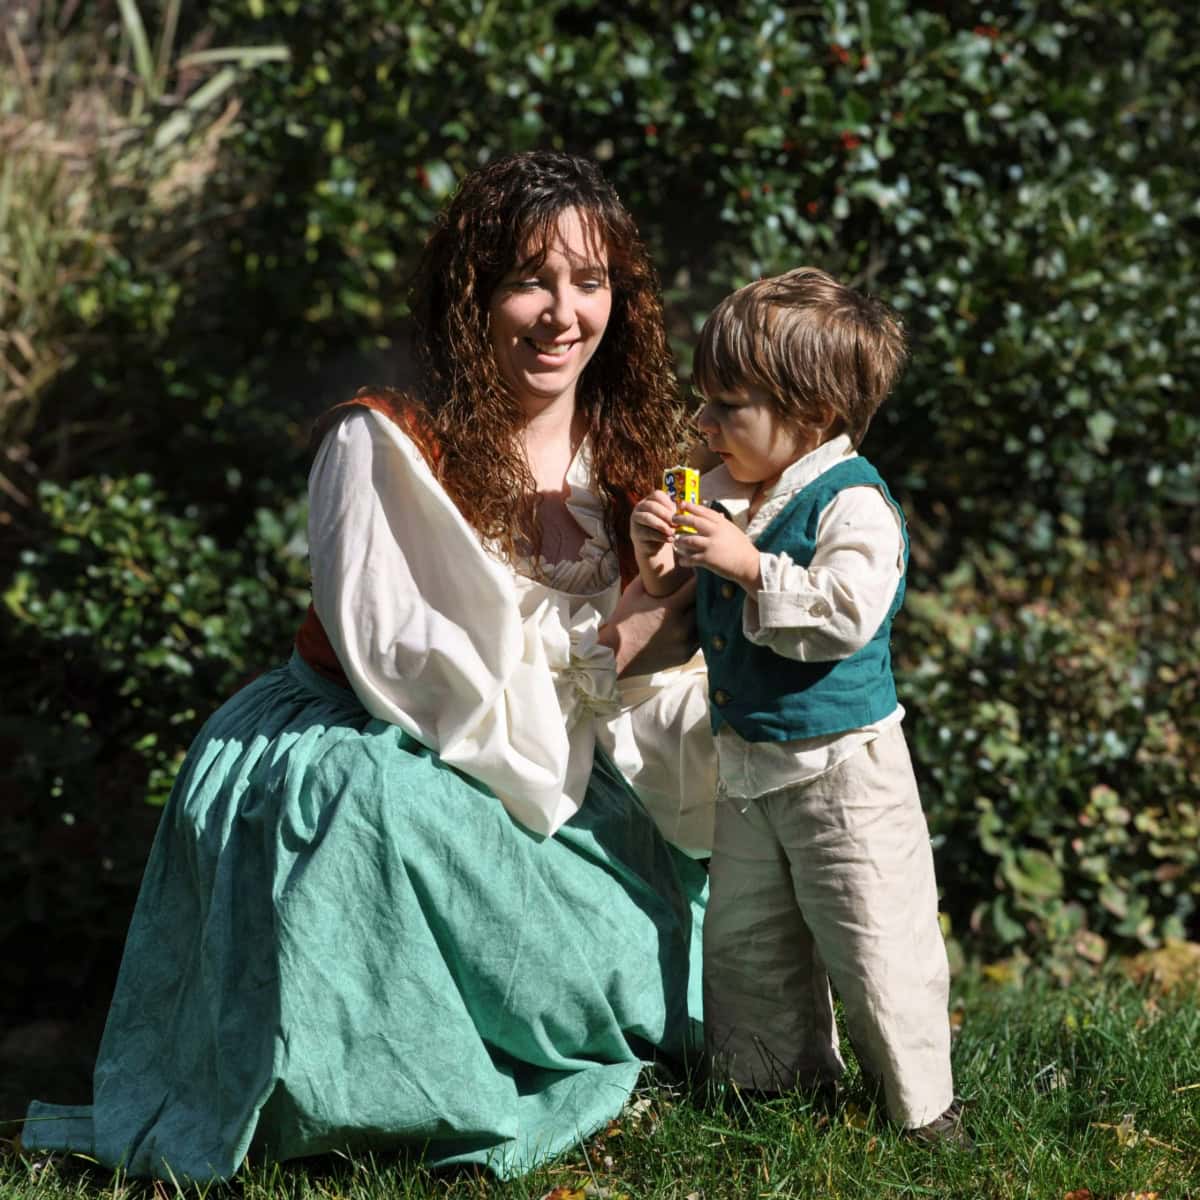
753 440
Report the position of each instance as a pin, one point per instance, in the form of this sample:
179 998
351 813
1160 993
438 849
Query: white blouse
497 671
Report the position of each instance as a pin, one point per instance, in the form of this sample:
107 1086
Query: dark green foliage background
1021 185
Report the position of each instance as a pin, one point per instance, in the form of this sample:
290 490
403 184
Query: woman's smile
551 349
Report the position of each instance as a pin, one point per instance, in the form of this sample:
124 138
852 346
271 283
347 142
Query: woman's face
546 322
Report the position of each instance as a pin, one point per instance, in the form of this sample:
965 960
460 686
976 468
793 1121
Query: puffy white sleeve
426 624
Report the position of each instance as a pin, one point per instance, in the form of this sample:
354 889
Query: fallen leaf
1175 964
1000 972
1051 1078
1127 1134
854 1117
1079 1194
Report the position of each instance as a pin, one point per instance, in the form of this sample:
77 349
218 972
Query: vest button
727 590
721 696
718 642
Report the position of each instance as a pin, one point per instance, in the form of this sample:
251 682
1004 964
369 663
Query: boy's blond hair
822 351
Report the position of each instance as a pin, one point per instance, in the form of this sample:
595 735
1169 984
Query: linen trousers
830 881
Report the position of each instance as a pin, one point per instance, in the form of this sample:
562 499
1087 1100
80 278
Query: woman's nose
559 312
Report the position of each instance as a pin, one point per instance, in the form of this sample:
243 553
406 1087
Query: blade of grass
166 43
178 123
246 56
135 31
21 64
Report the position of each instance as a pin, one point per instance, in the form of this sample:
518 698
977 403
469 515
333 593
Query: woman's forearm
647 633
610 635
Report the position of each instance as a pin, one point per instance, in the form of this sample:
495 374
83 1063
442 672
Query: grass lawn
1087 1092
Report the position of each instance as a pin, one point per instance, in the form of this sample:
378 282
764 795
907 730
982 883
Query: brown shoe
946 1130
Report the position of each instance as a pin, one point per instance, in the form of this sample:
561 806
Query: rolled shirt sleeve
831 608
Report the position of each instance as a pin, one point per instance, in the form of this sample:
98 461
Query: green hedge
1021 186
127 625
1055 721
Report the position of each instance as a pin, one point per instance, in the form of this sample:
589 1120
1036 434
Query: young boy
821 869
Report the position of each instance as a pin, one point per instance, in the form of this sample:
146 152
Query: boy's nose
704 419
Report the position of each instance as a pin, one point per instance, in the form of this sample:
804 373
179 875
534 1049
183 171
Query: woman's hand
648 633
717 544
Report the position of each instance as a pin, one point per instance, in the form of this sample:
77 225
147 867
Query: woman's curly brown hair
627 392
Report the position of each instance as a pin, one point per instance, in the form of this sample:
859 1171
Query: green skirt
342 943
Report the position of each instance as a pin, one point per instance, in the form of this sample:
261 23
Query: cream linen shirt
496 670
825 611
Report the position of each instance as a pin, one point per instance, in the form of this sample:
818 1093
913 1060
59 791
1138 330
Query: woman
401 895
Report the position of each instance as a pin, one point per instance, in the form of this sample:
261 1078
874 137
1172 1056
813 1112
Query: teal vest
766 697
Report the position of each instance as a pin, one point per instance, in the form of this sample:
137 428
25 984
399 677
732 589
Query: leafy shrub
233 253
125 592
133 625
112 201
1006 180
1056 726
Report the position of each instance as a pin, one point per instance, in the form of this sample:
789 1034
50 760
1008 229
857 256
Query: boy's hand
651 526
717 544
654 544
